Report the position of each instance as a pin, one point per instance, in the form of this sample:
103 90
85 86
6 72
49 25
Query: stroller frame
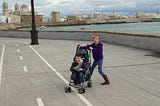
87 75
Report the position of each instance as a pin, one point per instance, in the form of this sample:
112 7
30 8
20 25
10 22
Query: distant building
14 19
63 19
8 15
26 15
143 15
99 16
24 8
140 14
28 18
46 19
153 15
83 17
19 14
3 19
5 8
55 16
17 9
73 18
157 14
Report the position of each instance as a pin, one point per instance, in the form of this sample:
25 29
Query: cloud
68 7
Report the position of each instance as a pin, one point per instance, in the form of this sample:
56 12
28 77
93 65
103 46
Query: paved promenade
37 75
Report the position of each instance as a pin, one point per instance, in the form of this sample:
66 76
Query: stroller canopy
84 53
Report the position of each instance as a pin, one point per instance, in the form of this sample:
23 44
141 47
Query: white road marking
25 69
18 50
20 57
1 62
16 45
58 74
40 102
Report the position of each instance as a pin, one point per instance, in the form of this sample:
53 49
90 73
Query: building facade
19 14
28 18
73 18
2 19
55 16
5 8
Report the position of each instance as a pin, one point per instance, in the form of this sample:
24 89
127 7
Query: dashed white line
16 45
25 69
18 50
58 74
1 62
21 58
40 102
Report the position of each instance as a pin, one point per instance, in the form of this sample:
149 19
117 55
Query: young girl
97 51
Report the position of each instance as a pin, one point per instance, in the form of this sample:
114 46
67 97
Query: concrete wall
147 43
142 42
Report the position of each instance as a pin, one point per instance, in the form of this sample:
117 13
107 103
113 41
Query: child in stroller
80 70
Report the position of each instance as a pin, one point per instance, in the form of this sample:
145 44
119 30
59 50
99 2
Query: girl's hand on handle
91 48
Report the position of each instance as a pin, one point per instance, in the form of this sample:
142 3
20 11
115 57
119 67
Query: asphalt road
37 75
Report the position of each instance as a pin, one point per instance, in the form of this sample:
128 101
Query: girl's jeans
99 63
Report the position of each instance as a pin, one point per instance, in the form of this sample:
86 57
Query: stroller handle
78 46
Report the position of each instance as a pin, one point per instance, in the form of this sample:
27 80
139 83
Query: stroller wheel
67 89
81 90
89 84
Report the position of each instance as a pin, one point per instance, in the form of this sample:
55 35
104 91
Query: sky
72 7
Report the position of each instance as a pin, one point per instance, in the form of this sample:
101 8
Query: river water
142 28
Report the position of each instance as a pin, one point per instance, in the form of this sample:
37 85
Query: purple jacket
97 50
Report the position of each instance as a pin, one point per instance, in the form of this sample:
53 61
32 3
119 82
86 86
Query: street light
34 32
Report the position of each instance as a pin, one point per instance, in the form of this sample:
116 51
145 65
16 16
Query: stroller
86 56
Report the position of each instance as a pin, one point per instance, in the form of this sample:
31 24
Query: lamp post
34 32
